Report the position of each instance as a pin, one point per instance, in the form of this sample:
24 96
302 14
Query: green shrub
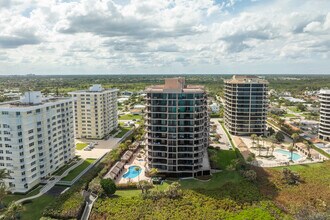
108 186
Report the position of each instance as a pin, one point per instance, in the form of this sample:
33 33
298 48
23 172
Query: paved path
50 184
88 208
224 141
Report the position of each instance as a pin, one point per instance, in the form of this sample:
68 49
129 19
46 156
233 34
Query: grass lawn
123 131
34 209
14 197
221 158
80 146
75 172
130 117
217 180
289 115
60 171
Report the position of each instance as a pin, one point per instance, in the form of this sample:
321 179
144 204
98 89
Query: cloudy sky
164 36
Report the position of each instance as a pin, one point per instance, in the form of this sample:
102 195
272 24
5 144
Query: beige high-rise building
324 129
177 125
95 112
246 105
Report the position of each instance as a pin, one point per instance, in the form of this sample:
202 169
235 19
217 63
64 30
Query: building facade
246 105
177 123
324 128
36 138
95 112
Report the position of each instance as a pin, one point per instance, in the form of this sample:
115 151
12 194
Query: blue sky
164 36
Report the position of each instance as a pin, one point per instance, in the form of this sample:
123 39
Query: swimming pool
295 156
132 173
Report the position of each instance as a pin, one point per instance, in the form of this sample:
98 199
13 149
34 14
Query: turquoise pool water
295 156
132 173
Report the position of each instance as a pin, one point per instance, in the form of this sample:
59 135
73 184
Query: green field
130 117
221 158
34 209
123 131
75 172
60 171
289 115
80 146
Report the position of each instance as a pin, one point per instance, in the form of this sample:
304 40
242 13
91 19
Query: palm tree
272 147
253 137
308 148
295 138
3 175
137 169
291 149
153 172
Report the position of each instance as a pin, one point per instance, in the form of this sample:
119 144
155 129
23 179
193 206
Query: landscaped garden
228 195
130 117
76 171
123 131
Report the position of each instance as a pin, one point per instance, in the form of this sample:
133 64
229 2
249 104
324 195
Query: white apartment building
36 138
95 112
324 128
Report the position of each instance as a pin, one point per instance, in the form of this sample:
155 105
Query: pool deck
134 162
279 159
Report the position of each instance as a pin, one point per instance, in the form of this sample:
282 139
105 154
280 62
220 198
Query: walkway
89 205
50 183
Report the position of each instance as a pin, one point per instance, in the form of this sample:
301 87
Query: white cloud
91 36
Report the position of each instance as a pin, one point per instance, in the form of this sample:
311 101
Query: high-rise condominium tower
177 124
36 138
95 112
324 129
246 105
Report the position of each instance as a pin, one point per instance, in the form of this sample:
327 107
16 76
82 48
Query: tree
301 107
3 175
279 136
272 147
144 186
295 138
153 172
250 175
291 149
137 169
108 186
2 195
271 131
13 211
95 186
173 190
290 177
308 148
253 137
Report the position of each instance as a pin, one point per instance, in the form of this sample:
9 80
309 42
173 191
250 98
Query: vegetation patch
80 146
130 117
76 171
220 159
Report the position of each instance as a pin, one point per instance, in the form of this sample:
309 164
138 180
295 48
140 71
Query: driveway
224 142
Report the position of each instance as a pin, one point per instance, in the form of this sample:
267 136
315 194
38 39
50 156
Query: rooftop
242 79
175 85
34 100
97 88
325 91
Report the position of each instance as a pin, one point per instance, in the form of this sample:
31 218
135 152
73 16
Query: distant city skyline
69 37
